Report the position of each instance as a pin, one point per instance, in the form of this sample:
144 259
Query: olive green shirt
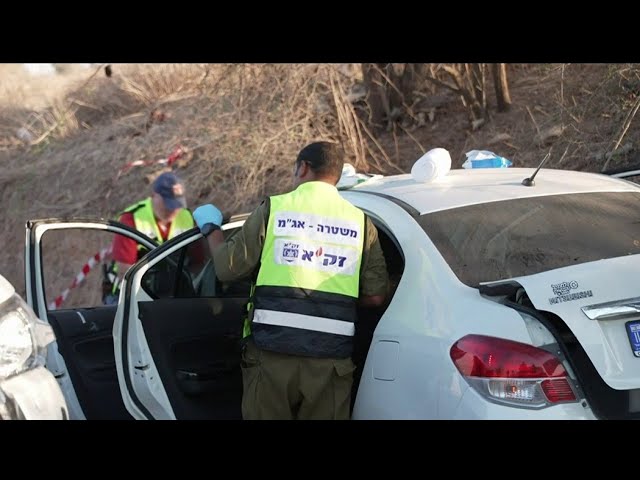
240 255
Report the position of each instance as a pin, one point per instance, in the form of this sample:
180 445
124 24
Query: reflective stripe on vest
309 277
145 221
308 322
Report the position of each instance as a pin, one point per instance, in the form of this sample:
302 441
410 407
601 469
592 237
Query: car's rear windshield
498 240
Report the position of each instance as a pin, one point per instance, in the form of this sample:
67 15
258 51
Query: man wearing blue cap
160 217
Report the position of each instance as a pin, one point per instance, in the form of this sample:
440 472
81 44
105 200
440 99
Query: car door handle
210 373
206 381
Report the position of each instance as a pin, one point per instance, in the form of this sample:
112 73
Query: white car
509 301
28 391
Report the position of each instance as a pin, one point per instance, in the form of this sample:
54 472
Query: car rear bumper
32 395
474 407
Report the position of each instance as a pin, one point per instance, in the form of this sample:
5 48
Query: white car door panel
177 335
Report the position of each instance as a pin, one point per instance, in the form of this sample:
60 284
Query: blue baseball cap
169 187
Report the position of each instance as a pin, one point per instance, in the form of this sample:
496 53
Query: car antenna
529 182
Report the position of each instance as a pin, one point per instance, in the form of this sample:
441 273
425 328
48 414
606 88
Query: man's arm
239 255
374 278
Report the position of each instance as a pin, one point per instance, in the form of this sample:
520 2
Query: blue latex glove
207 214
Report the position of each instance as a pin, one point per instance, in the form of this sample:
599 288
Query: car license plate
633 331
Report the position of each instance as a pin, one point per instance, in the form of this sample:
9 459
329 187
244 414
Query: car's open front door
63 281
177 334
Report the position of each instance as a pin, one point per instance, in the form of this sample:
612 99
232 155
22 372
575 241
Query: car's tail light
511 372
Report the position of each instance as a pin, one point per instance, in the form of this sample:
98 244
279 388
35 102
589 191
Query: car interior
85 342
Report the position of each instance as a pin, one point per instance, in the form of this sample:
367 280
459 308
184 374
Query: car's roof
469 187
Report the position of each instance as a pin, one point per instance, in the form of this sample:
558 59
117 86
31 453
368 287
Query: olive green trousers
286 387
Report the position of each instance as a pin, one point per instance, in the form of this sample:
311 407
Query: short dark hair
325 159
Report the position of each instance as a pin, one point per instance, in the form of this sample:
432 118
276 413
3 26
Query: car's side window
393 256
73 266
633 178
189 272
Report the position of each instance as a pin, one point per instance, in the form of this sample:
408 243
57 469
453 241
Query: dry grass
244 124
576 111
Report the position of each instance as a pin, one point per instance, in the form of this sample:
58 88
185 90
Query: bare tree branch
625 127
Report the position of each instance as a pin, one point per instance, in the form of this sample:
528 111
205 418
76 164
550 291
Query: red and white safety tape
177 153
86 268
170 160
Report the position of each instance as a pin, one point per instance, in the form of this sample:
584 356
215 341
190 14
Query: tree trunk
462 85
470 84
390 88
478 80
475 108
376 96
503 98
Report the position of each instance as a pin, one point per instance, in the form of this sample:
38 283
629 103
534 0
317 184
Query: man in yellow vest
314 258
160 217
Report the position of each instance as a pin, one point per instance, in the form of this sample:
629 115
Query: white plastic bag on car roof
351 178
433 164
